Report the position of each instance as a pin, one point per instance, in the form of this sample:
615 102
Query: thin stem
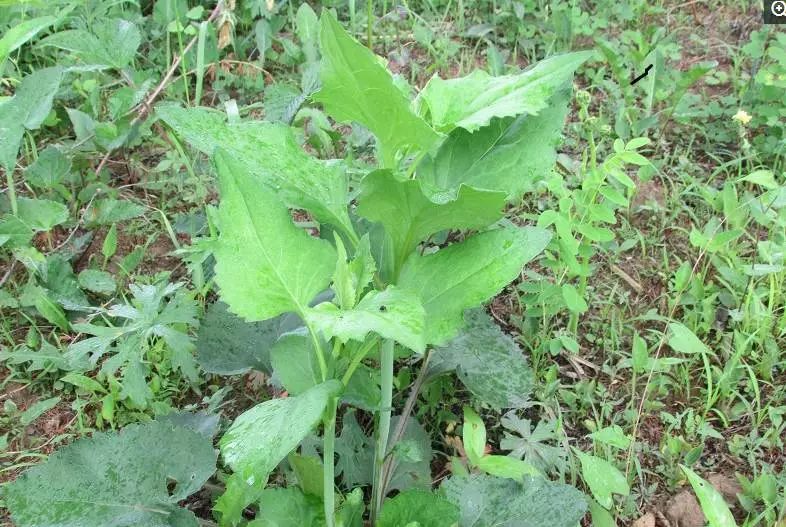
383 428
401 425
9 178
369 30
318 349
328 460
359 356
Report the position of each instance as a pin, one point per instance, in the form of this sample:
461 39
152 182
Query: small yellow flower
742 117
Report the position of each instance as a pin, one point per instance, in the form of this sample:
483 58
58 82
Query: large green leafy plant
329 314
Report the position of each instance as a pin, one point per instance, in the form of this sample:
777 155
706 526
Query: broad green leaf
363 389
414 469
471 102
683 340
487 361
238 495
309 472
261 437
22 33
307 25
394 313
612 435
712 503
295 363
465 274
357 87
473 435
350 514
49 170
280 507
507 467
355 451
109 211
509 155
268 152
27 109
14 232
265 265
115 480
763 178
112 45
41 214
227 345
573 299
418 507
486 501
600 516
409 217
602 478
97 281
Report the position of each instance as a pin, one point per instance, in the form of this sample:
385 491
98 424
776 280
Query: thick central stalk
328 458
383 429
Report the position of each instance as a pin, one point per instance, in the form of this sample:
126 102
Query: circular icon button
778 8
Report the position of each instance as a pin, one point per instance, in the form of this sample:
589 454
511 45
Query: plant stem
359 356
401 425
369 30
328 461
9 178
318 350
383 428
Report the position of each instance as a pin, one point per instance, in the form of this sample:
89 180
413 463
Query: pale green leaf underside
115 480
409 217
509 155
269 152
228 345
394 314
263 436
265 265
471 102
487 501
464 275
488 362
356 87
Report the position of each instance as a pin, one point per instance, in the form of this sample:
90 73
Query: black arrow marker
637 79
